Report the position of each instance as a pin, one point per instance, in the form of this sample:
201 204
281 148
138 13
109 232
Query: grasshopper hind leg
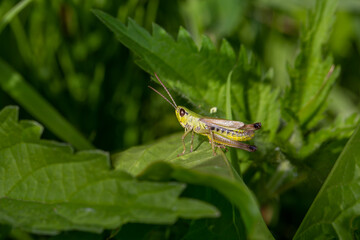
210 134
217 145
212 142
232 143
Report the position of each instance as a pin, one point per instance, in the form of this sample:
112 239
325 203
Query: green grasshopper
221 132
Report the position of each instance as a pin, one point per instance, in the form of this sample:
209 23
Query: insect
221 132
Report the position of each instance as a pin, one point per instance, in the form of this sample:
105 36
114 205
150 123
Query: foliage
339 195
47 188
208 170
86 89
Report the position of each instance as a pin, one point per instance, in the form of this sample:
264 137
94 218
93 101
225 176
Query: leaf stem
233 154
12 13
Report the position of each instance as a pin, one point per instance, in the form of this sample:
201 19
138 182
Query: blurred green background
77 65
63 51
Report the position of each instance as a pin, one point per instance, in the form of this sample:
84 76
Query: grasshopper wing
229 124
223 123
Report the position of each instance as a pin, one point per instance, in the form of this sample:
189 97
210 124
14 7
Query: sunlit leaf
45 187
200 74
200 168
313 73
334 213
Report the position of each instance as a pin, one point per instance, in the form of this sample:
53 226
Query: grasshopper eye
182 112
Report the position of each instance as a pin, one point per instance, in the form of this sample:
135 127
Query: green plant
147 191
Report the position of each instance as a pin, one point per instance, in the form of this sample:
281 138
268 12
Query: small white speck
213 110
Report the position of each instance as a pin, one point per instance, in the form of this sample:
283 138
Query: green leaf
313 74
255 97
16 86
217 18
265 107
137 159
228 97
200 168
234 190
177 62
201 73
339 129
45 187
335 212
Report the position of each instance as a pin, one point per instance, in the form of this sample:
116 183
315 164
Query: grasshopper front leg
187 131
192 141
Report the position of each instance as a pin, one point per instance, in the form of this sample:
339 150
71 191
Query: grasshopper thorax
187 119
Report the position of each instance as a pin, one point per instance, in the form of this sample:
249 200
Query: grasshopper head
182 114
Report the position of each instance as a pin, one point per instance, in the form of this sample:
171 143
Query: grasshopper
221 132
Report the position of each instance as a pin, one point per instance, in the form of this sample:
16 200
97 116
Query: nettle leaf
313 74
178 63
137 159
45 187
256 98
159 161
335 212
199 75
219 18
339 129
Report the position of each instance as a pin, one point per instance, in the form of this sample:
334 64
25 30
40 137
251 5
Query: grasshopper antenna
161 96
166 90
